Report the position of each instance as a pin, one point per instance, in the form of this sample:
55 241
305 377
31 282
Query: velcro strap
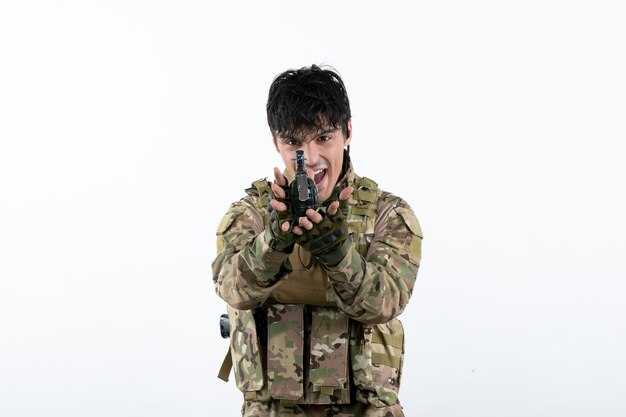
250 395
285 347
227 364
363 210
388 344
387 339
386 359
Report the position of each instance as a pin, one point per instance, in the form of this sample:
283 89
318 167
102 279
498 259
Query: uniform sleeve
377 288
246 268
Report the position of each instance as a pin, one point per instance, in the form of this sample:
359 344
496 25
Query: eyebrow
320 133
325 131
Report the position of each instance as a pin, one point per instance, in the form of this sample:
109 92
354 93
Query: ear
347 140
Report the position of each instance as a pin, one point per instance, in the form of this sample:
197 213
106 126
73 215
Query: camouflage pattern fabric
370 285
245 350
306 284
246 267
328 368
285 351
276 409
371 289
376 357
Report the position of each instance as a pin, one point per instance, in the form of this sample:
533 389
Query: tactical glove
327 239
281 241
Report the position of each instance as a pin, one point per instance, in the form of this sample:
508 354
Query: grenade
303 189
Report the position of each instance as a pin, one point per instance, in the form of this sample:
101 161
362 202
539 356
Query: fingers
313 215
278 192
343 196
296 229
311 219
277 205
332 208
346 193
305 223
279 177
279 180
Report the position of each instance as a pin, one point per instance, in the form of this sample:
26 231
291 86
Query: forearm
372 291
244 278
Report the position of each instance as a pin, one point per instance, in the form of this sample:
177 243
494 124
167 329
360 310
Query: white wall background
127 127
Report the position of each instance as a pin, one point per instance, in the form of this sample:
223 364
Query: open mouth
319 177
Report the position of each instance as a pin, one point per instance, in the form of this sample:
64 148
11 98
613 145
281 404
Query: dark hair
306 100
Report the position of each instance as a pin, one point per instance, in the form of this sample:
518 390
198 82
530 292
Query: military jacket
314 334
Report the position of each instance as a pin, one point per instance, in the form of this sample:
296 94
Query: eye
292 142
324 138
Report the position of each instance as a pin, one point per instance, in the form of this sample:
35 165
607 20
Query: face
323 151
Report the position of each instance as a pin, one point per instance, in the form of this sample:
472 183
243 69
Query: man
313 300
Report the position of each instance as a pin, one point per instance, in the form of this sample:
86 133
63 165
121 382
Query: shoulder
386 198
391 206
367 190
250 210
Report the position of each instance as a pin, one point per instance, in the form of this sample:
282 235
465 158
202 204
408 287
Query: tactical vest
275 354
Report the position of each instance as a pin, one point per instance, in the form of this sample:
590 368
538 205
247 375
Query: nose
311 153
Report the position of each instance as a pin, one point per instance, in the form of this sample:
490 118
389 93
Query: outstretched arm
377 287
252 252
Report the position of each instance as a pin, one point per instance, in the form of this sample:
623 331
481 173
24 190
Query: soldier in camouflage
313 301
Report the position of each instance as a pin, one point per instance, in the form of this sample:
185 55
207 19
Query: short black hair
307 99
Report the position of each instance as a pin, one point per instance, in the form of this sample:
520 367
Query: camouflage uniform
313 340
